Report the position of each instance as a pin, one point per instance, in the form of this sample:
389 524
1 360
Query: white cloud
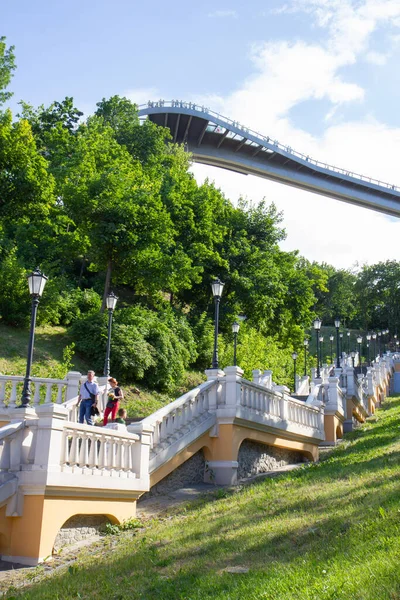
376 58
221 14
286 74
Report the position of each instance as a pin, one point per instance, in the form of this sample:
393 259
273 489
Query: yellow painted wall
33 535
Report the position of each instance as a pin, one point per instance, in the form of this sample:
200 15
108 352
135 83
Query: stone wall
189 473
78 528
257 458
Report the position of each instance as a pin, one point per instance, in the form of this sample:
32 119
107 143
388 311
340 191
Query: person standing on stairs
114 397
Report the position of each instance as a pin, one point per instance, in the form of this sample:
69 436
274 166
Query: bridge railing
262 139
45 390
179 419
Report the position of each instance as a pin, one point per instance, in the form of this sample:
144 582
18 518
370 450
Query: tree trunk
107 284
81 271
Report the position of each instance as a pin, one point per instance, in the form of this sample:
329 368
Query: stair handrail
159 414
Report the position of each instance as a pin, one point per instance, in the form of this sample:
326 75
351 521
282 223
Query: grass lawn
326 531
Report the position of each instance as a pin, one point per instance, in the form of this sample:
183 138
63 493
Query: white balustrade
44 390
278 407
88 449
181 417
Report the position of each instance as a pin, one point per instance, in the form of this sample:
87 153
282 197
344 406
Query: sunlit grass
325 531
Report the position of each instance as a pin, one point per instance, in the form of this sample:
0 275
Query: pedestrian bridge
221 142
53 469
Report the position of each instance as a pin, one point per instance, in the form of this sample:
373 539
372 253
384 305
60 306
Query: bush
62 304
256 351
145 345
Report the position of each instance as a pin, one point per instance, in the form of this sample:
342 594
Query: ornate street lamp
348 342
379 342
341 343
374 338
321 349
36 283
235 331
294 356
317 327
331 338
397 345
111 303
368 336
353 355
217 287
337 325
359 342
305 344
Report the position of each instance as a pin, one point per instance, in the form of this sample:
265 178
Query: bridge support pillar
222 472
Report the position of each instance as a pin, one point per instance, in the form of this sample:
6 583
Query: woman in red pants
114 396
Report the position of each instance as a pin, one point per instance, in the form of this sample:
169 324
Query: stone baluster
49 389
93 458
283 408
60 388
13 395
127 457
118 454
73 453
110 452
2 392
36 395
102 452
84 452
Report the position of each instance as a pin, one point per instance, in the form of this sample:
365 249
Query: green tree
7 67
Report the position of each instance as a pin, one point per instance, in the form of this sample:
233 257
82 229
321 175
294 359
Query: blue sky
320 75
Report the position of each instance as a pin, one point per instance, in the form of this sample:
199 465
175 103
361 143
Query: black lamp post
111 302
379 342
341 343
395 341
353 355
321 349
305 344
337 325
374 338
384 339
317 327
235 331
359 342
36 283
331 338
294 356
217 287
368 337
348 342
397 345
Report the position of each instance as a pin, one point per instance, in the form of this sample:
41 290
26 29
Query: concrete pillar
221 472
233 377
73 382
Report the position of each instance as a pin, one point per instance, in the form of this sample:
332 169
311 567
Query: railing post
141 452
233 377
49 441
73 380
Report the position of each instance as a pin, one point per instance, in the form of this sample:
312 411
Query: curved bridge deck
220 142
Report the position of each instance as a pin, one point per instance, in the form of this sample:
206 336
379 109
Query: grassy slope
326 531
47 362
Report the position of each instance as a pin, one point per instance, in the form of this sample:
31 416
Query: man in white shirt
88 396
